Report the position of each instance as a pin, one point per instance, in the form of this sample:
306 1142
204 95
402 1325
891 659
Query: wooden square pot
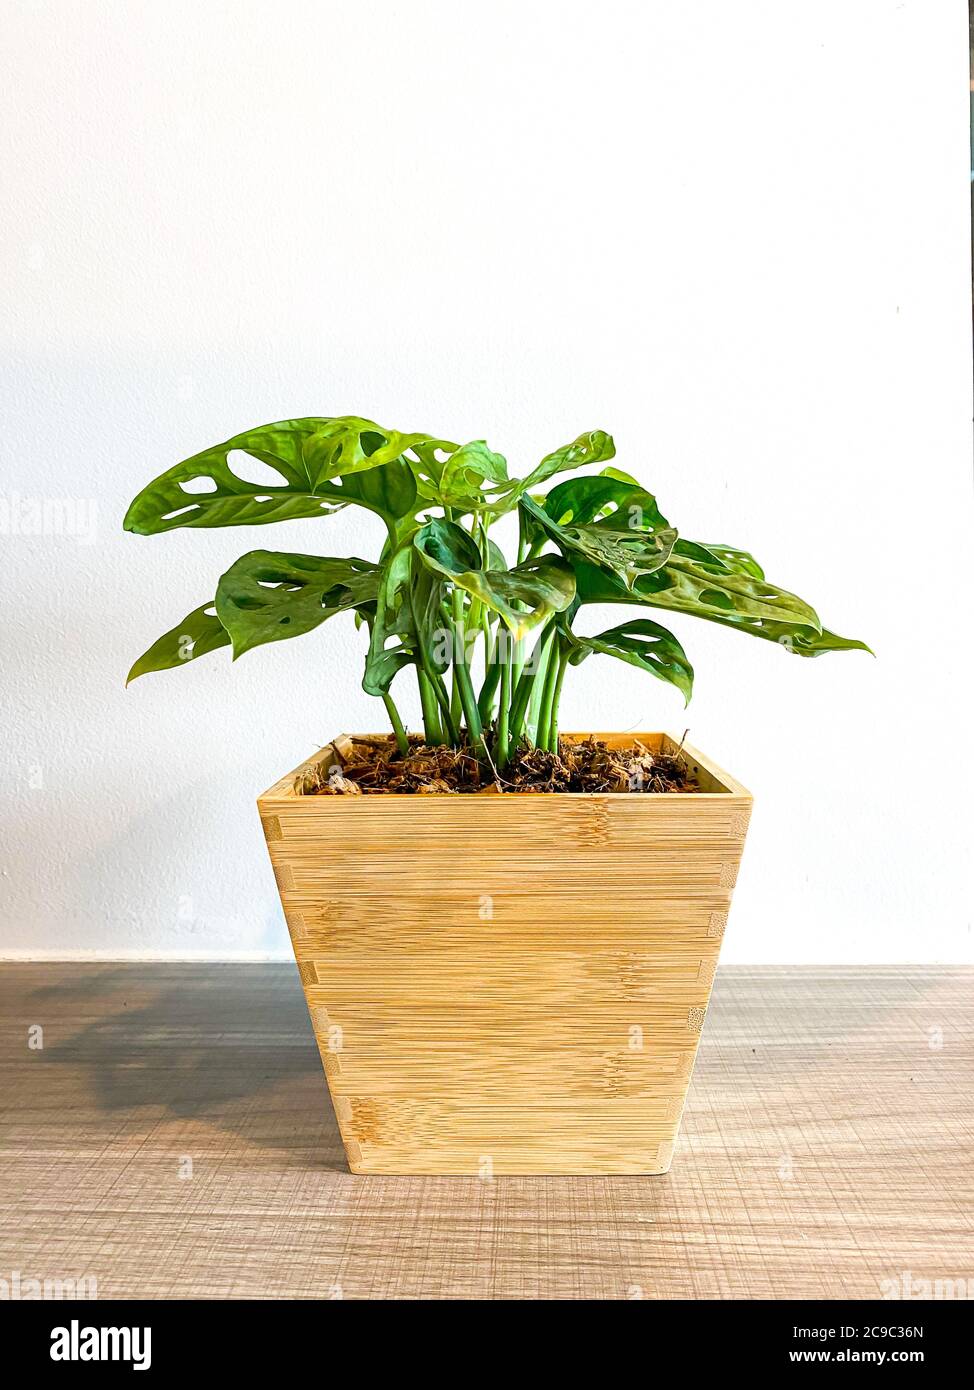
508 984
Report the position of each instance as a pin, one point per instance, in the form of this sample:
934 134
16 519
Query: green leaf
523 597
721 558
392 623
641 643
808 642
389 491
713 592
628 554
407 615
457 481
205 491
595 446
683 585
267 596
616 504
200 632
348 444
592 447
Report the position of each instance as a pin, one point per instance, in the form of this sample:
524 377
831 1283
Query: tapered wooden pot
508 984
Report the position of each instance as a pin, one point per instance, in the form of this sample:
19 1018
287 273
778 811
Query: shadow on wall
234 1051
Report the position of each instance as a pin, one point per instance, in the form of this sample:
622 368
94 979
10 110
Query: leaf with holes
200 632
597 536
457 481
592 447
267 596
614 504
805 641
641 643
407 621
706 587
719 558
295 459
523 597
349 444
595 446
627 554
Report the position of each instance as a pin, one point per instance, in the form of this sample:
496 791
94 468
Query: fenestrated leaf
389 491
458 480
641 643
267 596
719 557
200 632
526 595
407 616
684 585
447 547
628 554
808 642
392 623
349 444
205 491
595 446
718 595
615 504
523 597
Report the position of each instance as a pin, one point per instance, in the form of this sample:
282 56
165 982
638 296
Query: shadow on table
228 1045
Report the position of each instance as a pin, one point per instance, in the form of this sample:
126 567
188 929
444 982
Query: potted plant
507 935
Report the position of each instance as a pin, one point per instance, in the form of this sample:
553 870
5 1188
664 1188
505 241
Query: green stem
503 744
522 540
518 666
455 622
443 699
543 739
559 682
468 700
396 721
492 679
532 671
534 703
431 716
439 689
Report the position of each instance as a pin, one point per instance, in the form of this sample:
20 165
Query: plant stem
559 682
461 673
502 740
533 669
439 690
492 678
547 699
400 732
431 717
455 624
518 665
436 683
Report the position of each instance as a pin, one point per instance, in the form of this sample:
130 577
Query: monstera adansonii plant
441 586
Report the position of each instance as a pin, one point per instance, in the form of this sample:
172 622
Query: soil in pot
371 766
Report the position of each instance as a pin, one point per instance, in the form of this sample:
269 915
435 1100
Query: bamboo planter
508 984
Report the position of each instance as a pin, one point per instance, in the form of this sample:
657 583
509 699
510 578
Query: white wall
733 235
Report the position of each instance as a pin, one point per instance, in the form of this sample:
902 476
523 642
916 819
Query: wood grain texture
825 1151
512 984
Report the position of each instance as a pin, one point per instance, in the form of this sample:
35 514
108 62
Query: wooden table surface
173 1138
